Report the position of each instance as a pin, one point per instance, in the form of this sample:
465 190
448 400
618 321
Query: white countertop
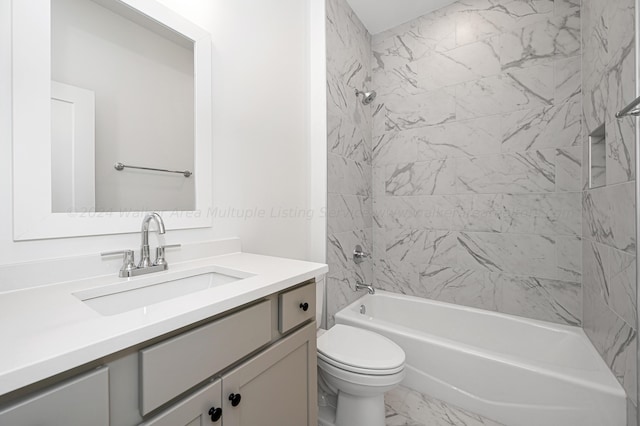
47 330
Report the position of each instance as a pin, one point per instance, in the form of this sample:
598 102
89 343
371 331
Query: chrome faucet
369 287
145 260
145 266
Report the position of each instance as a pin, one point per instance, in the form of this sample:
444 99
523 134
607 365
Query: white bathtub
513 370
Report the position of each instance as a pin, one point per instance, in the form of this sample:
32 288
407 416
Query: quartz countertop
47 330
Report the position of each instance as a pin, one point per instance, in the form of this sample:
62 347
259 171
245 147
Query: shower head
367 97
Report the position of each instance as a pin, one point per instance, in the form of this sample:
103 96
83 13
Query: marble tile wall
609 244
477 157
349 204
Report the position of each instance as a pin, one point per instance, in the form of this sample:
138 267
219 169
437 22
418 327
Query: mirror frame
31 114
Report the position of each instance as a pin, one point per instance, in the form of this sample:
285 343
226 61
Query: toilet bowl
355 368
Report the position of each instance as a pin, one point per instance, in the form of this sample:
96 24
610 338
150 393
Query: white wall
260 128
318 129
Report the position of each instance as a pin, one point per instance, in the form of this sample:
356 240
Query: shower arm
632 109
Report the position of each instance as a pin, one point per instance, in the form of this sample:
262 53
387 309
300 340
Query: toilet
355 368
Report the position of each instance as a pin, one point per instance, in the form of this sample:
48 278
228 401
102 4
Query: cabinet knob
215 413
304 306
235 399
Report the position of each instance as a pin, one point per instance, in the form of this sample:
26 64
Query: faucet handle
166 246
113 253
160 260
359 255
128 261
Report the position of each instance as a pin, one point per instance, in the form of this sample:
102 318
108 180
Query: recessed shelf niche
597 158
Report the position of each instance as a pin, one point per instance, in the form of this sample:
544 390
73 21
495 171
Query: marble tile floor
405 407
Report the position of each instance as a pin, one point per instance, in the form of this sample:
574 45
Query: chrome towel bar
120 166
632 109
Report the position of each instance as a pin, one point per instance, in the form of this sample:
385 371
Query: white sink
144 291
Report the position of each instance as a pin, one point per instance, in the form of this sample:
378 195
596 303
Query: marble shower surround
609 244
477 157
349 203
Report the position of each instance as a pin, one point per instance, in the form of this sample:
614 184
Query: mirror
126 89
112 117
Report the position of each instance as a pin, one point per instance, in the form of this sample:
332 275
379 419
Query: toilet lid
357 349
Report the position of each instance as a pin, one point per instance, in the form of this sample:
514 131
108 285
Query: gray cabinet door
83 400
276 387
196 410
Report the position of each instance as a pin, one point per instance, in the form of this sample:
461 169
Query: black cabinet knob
215 414
235 399
304 306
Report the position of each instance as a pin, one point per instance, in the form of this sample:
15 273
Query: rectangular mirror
112 117
141 80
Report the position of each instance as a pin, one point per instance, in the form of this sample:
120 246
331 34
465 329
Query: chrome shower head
367 97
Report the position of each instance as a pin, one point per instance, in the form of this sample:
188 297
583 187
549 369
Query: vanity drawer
83 400
292 304
171 367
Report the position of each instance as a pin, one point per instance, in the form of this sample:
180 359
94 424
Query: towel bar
119 166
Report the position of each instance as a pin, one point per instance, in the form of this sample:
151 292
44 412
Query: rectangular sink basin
144 291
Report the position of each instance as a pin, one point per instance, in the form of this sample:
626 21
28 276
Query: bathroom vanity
239 353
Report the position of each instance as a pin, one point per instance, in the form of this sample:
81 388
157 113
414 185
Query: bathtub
513 370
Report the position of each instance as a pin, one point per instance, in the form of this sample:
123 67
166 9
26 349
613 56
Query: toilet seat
366 383
360 351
